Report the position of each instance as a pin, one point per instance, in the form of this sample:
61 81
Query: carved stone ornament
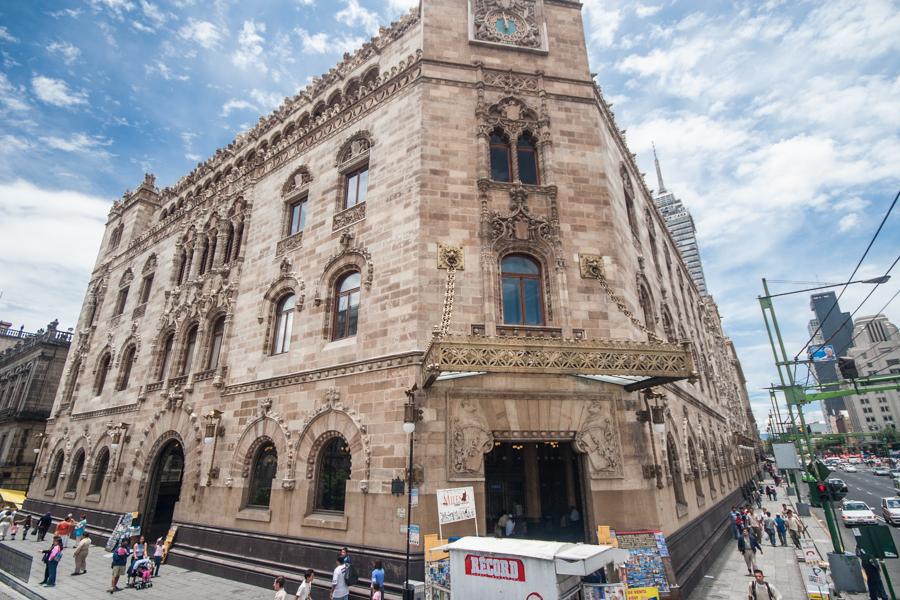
591 266
519 224
599 439
450 256
518 23
470 439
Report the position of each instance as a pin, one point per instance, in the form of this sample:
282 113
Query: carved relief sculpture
470 439
599 439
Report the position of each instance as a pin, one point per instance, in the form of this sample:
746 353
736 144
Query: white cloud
249 51
401 6
602 22
160 68
848 222
202 33
68 52
66 12
115 7
316 43
12 97
6 36
234 104
141 27
354 15
56 92
306 2
80 143
646 10
266 101
152 12
50 275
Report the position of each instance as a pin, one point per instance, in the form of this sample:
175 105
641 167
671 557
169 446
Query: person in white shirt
278 586
510 526
305 590
760 589
339 589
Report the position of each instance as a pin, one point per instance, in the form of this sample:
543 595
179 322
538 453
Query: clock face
508 22
507 26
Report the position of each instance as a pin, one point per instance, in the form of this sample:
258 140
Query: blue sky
776 122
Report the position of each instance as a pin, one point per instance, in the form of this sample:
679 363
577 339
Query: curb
20 587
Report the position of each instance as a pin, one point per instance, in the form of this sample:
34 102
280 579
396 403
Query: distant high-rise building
680 224
836 329
876 352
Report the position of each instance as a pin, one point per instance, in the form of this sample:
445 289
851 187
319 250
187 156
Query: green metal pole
887 579
766 303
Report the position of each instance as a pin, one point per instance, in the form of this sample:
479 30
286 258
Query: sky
777 123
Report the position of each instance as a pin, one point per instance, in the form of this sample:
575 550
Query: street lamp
410 416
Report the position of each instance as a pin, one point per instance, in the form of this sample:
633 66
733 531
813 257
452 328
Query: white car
890 510
854 512
881 471
850 469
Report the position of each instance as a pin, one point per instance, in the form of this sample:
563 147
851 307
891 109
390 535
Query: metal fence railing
15 562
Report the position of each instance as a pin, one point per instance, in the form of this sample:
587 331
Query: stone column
221 243
238 237
568 459
197 258
532 483
219 378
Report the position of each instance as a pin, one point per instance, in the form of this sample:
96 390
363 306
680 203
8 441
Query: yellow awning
12 497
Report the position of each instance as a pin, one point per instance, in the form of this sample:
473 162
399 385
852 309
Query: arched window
204 257
284 323
319 110
184 262
695 468
346 306
668 326
333 474
522 291
55 470
73 380
102 466
215 343
75 474
708 459
647 308
166 357
102 372
116 237
189 347
501 167
125 368
265 465
526 153
675 469
371 76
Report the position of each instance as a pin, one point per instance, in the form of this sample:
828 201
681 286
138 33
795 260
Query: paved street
173 583
870 489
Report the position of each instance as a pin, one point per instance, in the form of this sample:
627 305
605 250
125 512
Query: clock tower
509 23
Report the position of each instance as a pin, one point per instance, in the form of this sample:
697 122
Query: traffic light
847 367
818 493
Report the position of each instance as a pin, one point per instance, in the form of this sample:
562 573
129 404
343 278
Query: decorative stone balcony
657 361
349 216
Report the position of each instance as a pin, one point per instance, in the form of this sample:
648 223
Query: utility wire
849 279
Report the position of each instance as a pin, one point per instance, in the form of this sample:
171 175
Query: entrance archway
164 491
539 483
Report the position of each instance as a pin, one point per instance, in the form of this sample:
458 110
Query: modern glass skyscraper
680 224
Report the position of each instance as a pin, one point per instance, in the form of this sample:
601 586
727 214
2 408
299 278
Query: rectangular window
893 361
146 285
121 299
357 184
297 216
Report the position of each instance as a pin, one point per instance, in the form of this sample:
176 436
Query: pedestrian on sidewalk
119 560
304 592
26 525
43 525
781 528
6 520
138 552
748 545
757 498
158 551
63 528
775 489
80 527
769 527
760 589
377 580
755 523
795 528
278 586
873 579
53 559
339 588
80 554
735 528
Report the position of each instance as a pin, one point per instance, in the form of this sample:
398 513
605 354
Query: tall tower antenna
659 179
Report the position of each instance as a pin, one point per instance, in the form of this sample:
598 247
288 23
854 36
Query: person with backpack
760 589
340 590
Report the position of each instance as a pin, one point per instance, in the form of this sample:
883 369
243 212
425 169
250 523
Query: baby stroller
139 575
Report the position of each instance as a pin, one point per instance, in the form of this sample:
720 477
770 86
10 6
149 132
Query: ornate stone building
31 365
450 215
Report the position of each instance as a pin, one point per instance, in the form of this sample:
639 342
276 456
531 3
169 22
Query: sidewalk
728 578
173 582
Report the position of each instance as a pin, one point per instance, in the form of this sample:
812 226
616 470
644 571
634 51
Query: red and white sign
509 569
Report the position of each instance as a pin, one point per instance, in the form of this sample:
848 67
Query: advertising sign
495 567
603 591
456 504
786 456
822 353
643 593
414 535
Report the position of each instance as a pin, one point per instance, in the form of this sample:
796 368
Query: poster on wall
646 567
456 504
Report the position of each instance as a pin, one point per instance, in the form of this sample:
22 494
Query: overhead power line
849 279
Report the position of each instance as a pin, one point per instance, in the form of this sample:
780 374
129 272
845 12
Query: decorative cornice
105 412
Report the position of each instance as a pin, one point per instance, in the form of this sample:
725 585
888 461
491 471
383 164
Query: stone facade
201 270
31 366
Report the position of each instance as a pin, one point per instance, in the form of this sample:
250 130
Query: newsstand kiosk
513 569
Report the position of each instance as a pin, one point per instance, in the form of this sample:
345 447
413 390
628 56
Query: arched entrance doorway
164 490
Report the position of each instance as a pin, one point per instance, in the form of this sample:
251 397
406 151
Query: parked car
881 471
855 512
890 510
850 469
